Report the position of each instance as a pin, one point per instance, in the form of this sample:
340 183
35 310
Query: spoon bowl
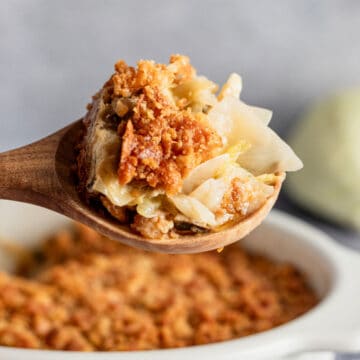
42 174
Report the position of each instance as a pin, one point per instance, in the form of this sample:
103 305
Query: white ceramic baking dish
332 270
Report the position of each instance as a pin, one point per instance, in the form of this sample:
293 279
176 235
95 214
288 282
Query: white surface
334 323
328 355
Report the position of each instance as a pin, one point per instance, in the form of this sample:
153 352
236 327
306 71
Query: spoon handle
28 173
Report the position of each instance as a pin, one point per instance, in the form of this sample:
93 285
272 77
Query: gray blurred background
55 54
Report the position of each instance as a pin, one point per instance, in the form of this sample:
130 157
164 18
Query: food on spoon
165 153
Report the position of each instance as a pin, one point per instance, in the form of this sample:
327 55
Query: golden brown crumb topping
90 293
161 139
241 195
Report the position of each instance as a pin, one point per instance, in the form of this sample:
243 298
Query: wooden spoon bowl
42 174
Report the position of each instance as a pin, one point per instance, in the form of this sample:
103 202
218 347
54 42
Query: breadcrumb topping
89 293
162 140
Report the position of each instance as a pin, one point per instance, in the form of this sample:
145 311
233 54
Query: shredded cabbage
149 207
199 92
210 193
232 87
193 209
204 171
264 115
118 195
268 154
106 181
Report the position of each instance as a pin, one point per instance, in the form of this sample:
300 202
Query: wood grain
40 174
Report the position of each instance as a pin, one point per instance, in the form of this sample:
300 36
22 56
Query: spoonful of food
42 174
159 162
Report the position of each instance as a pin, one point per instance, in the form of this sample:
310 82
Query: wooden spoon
41 174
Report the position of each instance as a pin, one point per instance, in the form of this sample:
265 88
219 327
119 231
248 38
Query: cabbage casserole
168 154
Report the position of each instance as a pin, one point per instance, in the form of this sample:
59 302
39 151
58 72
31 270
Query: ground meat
118 212
152 228
90 293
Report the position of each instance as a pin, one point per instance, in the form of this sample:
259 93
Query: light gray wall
55 54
